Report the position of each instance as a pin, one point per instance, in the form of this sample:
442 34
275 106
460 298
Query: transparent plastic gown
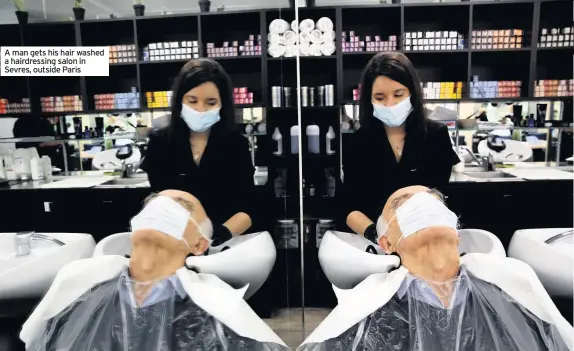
477 316
121 315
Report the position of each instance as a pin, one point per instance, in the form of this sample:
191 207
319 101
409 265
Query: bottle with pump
313 139
295 140
278 139
329 141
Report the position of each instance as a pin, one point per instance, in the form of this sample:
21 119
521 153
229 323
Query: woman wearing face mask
396 146
200 154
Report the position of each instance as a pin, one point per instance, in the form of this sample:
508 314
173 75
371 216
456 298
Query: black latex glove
220 234
371 233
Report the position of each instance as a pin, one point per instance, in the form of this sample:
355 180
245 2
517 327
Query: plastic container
313 139
294 140
329 141
22 164
278 139
47 165
9 166
37 169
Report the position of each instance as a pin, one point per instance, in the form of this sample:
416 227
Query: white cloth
206 290
514 277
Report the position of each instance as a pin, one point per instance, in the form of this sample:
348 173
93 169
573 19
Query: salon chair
550 252
242 260
347 259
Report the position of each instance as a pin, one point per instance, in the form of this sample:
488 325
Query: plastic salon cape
498 304
88 307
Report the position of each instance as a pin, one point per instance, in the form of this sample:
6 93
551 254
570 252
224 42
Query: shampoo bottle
313 139
329 141
278 139
295 140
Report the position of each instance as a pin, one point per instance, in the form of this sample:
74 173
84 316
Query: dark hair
397 67
191 75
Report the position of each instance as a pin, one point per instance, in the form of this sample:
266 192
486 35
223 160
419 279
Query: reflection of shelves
302 58
53 139
501 50
294 108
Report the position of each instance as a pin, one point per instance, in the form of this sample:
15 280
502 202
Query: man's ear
200 247
385 244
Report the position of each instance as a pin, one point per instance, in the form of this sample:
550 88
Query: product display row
556 37
70 103
117 101
494 89
313 133
7 106
123 53
323 95
371 43
548 88
497 39
434 40
175 50
250 47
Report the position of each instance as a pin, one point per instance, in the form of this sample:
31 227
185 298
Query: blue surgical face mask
199 121
393 116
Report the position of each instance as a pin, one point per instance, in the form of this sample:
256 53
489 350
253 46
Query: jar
323 226
286 234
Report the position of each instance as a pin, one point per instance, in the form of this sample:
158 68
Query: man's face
192 234
393 231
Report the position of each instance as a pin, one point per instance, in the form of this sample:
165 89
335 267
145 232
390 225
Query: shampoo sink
30 276
550 252
243 260
347 259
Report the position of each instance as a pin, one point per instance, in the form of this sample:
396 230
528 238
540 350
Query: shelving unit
528 63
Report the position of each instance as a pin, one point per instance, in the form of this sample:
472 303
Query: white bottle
295 139
278 138
329 141
9 166
22 164
37 169
313 139
47 165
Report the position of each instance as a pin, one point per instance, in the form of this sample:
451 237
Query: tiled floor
287 324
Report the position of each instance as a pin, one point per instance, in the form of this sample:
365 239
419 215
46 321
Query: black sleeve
153 163
443 157
353 196
243 185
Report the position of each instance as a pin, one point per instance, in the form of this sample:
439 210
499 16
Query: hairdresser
199 153
395 147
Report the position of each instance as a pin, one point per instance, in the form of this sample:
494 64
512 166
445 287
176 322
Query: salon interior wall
60 10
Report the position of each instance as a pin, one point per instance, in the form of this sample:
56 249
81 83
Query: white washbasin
346 262
550 253
30 276
242 260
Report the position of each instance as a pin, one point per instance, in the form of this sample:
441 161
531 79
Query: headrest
347 259
240 261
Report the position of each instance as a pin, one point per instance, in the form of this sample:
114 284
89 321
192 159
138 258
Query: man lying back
150 301
437 300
